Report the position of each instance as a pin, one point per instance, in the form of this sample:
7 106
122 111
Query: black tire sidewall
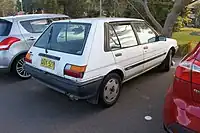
102 101
168 61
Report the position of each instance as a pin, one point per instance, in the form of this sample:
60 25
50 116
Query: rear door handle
32 39
118 54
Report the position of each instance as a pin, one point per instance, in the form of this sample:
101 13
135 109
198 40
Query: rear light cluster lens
189 71
28 58
74 71
183 71
196 72
6 43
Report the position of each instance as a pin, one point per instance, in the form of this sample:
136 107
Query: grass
184 37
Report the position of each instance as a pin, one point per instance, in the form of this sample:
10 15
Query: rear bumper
4 69
5 60
180 116
177 128
84 90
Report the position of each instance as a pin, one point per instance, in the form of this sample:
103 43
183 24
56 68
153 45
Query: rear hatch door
61 44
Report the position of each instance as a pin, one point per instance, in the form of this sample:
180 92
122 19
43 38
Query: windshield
5 27
65 37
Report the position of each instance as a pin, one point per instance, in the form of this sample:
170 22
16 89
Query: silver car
17 34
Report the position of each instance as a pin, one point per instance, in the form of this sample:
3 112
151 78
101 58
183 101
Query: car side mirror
162 38
157 38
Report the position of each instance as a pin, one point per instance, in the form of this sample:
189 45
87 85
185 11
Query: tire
110 90
17 68
167 63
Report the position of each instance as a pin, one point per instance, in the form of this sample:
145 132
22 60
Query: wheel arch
15 57
119 72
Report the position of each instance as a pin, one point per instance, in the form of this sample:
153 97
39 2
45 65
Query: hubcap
20 69
111 90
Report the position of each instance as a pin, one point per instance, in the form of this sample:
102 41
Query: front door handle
32 39
145 47
118 54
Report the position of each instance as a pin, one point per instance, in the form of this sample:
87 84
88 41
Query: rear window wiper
48 42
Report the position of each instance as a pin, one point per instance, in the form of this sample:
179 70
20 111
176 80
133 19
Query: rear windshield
5 27
65 37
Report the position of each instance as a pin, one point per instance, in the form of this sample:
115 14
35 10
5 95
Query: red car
182 103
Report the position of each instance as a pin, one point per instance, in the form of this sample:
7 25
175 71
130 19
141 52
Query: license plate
47 63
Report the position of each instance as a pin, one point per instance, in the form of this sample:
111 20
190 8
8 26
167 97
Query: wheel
167 63
110 90
18 68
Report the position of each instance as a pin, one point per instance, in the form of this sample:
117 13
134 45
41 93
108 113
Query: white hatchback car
91 58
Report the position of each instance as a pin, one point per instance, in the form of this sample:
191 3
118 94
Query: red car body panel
182 102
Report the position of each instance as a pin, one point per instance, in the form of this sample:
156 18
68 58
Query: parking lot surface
29 107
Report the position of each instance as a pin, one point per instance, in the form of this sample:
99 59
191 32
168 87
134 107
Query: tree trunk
172 16
151 17
167 30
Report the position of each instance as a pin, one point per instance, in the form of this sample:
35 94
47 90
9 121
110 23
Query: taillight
74 71
6 43
28 58
196 72
182 81
196 66
183 71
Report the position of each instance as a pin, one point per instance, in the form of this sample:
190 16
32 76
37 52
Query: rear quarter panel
18 47
171 43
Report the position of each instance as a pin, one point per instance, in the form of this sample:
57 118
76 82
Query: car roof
32 16
99 20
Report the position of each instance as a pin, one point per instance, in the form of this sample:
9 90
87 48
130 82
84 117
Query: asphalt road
29 107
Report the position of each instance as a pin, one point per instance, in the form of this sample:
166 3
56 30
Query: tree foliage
7 7
171 18
18 6
197 15
160 13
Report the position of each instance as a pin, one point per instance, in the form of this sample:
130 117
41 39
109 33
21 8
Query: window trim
107 36
154 31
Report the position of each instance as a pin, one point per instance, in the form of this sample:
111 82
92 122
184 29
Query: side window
35 26
144 32
124 33
39 25
64 18
27 26
55 19
42 42
113 40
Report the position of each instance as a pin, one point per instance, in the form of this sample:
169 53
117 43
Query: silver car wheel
20 69
111 90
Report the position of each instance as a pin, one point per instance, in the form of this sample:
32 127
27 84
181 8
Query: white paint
148 118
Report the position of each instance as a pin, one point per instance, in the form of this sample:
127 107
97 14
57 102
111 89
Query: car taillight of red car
182 103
